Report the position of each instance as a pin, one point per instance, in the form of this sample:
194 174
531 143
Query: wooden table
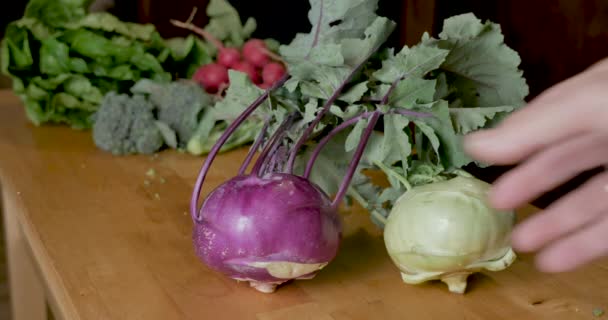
88 236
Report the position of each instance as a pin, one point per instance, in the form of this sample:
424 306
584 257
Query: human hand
558 135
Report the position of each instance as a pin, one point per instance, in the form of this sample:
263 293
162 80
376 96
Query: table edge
60 302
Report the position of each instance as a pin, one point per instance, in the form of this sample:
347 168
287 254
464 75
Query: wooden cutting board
109 246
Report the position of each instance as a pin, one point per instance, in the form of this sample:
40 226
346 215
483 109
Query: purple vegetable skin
267 230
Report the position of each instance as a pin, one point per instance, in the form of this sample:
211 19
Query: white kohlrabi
446 231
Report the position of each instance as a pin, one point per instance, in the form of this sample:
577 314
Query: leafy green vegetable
59 41
466 79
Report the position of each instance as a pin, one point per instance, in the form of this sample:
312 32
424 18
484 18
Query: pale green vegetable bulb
446 231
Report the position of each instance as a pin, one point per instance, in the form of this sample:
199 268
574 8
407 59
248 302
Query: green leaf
5 58
423 172
331 21
50 83
54 57
146 62
350 112
180 48
78 65
426 133
331 64
38 30
330 166
17 44
355 93
225 24
81 87
451 151
344 35
355 135
241 93
482 69
396 145
34 92
356 50
34 111
411 63
412 91
471 119
64 100
107 22
93 45
57 13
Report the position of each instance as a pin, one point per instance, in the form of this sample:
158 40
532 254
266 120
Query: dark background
556 39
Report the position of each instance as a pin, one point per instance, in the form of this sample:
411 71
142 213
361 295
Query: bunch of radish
262 66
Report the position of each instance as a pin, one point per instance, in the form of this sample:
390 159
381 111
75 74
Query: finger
601 65
555 115
565 215
576 250
549 169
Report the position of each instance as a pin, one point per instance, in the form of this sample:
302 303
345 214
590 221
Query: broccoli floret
180 105
126 124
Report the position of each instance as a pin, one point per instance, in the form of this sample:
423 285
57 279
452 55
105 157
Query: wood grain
109 249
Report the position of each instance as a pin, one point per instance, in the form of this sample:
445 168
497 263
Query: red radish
273 72
226 56
229 57
250 70
253 45
256 53
211 76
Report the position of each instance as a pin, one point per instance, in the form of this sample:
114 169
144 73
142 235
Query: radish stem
188 25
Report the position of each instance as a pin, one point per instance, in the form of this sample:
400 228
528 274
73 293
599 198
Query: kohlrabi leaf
343 36
348 112
451 151
480 66
471 119
412 91
241 93
427 142
412 62
331 21
422 172
396 145
332 64
355 135
355 93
